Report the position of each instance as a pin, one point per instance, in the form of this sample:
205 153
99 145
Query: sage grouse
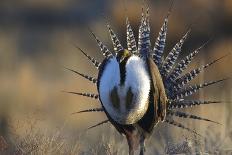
138 87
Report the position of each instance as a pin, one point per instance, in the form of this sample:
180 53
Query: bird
138 87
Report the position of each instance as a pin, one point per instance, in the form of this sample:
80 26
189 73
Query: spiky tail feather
116 43
185 115
91 59
98 124
102 47
183 64
170 60
179 125
90 95
131 43
158 50
90 78
177 104
89 110
193 89
181 82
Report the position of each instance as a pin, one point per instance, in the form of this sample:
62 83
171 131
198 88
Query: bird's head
124 87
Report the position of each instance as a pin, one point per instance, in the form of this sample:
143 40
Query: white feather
137 78
109 79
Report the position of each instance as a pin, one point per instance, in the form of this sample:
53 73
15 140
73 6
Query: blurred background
36 41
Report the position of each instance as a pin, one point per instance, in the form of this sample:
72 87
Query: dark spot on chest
122 67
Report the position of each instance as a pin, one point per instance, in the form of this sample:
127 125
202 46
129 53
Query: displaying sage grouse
138 87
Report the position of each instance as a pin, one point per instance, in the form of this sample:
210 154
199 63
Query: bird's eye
114 98
129 98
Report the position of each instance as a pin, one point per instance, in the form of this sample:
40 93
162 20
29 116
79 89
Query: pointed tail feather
98 124
185 115
116 43
103 48
131 43
144 43
89 110
193 89
173 55
92 59
90 95
182 81
179 125
177 104
158 50
92 79
183 64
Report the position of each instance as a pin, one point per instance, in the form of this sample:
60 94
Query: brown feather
158 90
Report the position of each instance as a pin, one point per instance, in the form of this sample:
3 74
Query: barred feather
181 82
92 59
89 110
92 79
182 65
116 43
144 43
90 95
98 124
158 50
185 115
173 55
177 104
192 89
131 43
179 125
103 48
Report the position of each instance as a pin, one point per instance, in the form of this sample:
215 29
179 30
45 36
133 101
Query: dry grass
40 141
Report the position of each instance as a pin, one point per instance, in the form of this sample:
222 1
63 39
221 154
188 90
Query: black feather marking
182 81
92 59
89 110
193 89
178 104
116 43
185 115
98 124
158 50
173 55
131 43
92 79
177 124
90 95
103 48
144 43
183 64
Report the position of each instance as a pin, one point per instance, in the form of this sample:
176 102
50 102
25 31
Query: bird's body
143 109
139 88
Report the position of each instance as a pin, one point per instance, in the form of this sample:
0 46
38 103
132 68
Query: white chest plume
136 87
